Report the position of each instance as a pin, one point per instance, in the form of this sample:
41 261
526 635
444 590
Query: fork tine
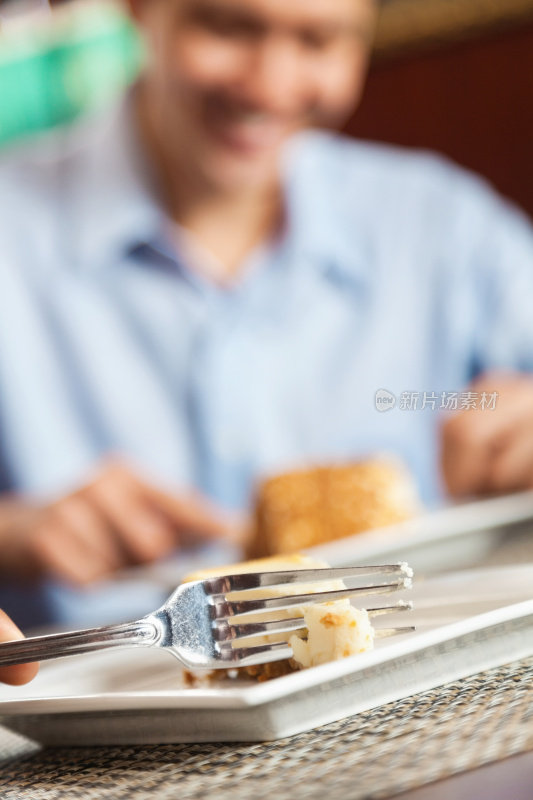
225 609
249 656
254 580
384 633
225 632
262 654
401 605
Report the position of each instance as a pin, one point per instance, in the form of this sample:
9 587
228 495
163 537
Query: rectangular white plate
466 622
453 537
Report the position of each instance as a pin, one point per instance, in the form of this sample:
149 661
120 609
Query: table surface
510 778
381 753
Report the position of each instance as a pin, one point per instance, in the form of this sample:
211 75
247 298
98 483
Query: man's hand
491 451
22 673
117 520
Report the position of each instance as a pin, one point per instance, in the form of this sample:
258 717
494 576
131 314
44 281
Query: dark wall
472 101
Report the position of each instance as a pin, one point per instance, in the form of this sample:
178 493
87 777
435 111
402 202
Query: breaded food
308 507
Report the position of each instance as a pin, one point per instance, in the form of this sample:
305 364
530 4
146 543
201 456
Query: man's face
229 81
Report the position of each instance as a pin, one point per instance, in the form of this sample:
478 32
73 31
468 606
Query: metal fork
203 623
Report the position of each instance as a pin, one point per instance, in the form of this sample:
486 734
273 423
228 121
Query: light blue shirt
396 271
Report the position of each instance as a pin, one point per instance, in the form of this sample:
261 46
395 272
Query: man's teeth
252 127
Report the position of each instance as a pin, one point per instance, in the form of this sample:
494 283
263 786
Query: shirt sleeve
487 296
503 283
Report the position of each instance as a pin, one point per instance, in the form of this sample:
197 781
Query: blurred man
197 289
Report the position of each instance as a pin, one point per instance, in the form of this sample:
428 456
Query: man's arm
490 449
115 521
486 451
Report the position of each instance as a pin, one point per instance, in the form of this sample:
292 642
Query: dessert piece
334 629
301 509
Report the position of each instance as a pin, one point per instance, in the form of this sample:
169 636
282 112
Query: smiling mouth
245 131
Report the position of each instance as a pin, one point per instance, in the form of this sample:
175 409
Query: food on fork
224 622
334 629
304 508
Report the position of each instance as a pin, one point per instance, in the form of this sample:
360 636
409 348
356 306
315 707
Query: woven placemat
373 755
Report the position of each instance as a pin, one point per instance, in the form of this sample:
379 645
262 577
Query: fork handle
41 648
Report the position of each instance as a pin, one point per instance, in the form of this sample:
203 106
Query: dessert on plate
307 507
334 629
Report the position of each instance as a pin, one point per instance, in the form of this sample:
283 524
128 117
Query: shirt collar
324 228
115 211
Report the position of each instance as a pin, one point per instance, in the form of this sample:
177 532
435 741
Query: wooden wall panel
472 101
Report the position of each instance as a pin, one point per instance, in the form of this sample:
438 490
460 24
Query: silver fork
202 622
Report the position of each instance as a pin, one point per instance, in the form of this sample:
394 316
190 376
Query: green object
79 59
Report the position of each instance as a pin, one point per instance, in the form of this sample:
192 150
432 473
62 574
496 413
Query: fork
203 623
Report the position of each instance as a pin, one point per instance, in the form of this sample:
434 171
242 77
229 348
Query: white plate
466 622
454 537
450 538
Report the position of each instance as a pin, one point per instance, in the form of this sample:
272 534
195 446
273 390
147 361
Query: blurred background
450 75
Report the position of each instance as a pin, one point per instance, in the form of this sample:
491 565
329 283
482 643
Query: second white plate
451 538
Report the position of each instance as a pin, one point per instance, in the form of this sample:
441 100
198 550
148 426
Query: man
195 292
